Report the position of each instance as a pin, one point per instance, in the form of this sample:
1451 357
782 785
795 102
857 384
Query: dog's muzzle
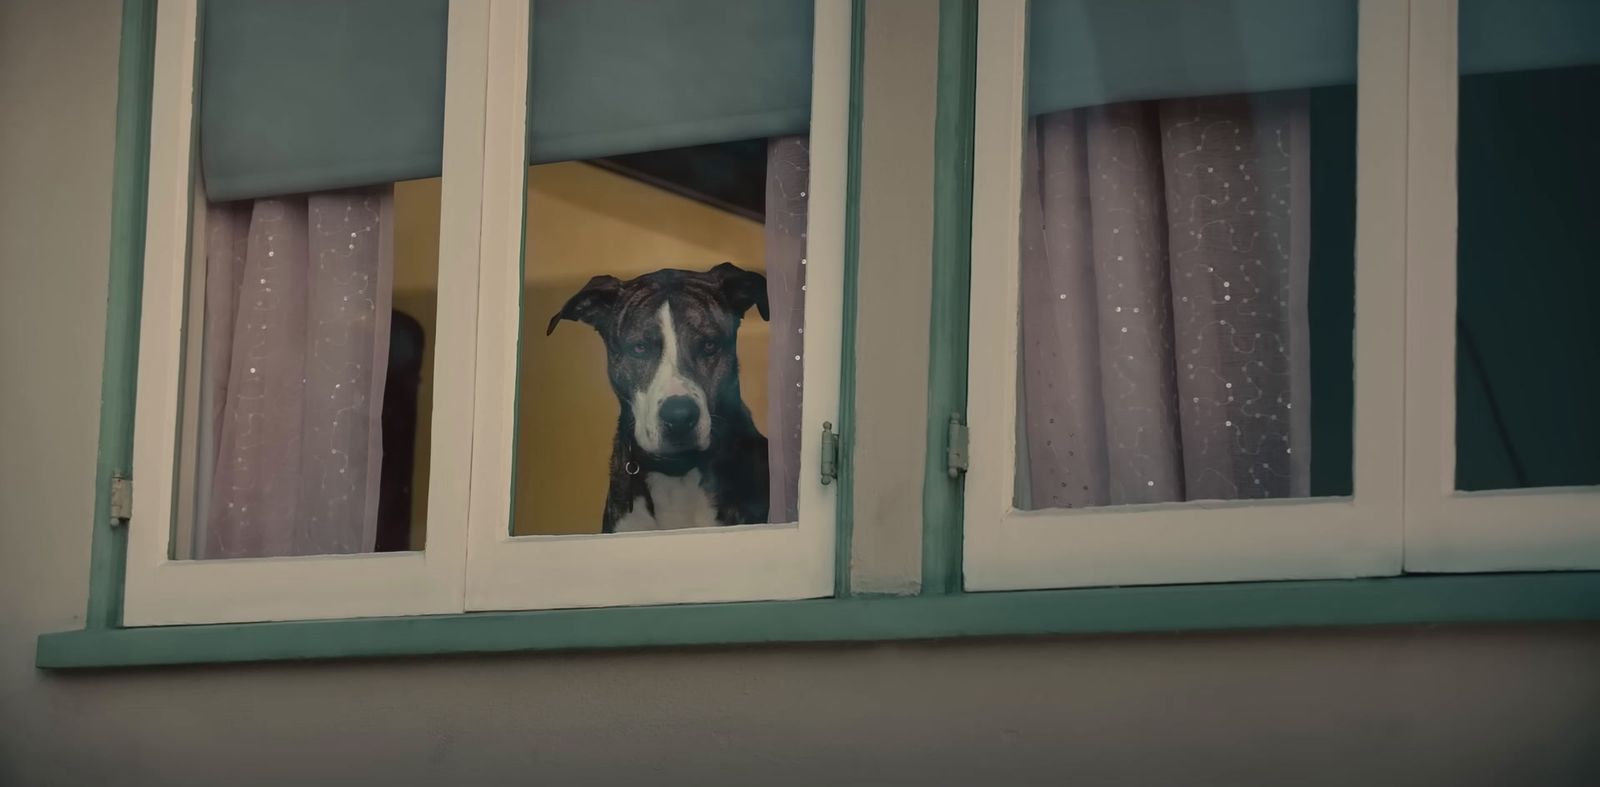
680 421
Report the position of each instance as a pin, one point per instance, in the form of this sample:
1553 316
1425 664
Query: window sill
1395 600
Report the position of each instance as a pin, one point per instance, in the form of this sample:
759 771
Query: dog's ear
742 288
590 304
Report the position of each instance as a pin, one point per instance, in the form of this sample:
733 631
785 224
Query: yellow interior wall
582 221
416 290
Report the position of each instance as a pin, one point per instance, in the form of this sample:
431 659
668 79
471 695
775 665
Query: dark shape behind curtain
407 341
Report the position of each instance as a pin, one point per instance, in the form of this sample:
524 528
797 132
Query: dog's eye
639 349
709 346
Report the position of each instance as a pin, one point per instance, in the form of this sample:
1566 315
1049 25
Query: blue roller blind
311 95
1524 35
623 76
1088 52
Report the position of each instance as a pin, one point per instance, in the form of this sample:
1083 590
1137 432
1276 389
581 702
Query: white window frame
1197 541
164 591
1446 529
475 376
741 563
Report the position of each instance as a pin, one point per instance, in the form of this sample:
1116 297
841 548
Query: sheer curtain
296 346
1164 327
788 171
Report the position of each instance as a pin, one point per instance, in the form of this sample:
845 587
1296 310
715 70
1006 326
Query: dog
686 452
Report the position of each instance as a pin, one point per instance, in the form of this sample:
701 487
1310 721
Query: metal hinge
121 499
956 453
830 454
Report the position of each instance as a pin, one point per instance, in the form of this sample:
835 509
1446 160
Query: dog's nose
679 414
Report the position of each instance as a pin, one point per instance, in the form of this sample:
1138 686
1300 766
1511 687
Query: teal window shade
1085 53
312 95
1521 35
1089 52
610 77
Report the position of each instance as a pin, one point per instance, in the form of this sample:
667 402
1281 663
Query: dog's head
670 347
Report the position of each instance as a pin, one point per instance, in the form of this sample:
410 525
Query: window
1501 428
1208 196
470 305
446 302
595 316
1194 212
271 313
347 401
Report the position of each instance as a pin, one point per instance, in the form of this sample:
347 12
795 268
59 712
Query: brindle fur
707 306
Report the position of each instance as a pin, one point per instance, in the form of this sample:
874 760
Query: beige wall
895 247
1408 706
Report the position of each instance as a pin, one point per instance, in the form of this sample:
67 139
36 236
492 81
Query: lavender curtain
1165 250
296 341
788 171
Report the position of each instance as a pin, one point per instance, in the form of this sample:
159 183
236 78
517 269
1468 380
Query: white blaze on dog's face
670 348
669 411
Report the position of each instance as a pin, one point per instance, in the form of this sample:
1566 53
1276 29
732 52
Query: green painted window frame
941 611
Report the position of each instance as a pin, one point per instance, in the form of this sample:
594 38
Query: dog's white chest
679 502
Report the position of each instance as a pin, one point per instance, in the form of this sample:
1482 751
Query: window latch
830 454
121 498
956 452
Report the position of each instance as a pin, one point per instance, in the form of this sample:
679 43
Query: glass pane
1187 252
1528 275
311 303
663 311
